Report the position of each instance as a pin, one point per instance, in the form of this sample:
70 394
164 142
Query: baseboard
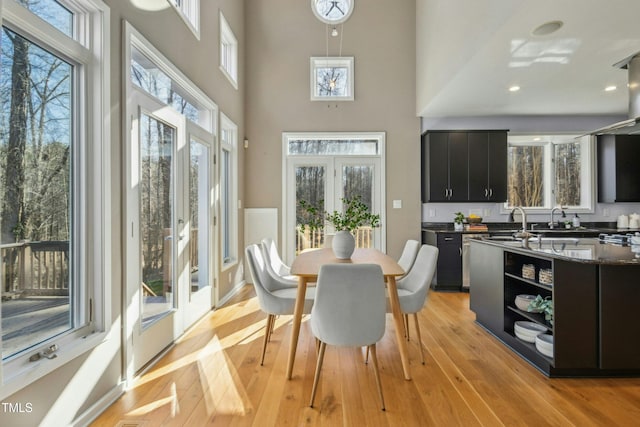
231 294
88 416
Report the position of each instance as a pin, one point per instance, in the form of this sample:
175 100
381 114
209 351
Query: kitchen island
595 289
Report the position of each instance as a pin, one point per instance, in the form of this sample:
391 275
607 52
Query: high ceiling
469 52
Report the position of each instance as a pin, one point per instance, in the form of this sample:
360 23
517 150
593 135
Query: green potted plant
355 214
458 220
544 305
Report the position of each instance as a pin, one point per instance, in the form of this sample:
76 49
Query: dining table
306 267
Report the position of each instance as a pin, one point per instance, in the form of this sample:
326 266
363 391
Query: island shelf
589 315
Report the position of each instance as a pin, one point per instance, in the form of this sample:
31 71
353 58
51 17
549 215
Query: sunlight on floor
223 392
169 400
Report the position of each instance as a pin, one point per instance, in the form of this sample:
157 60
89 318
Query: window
189 11
53 157
228 190
228 52
332 79
548 171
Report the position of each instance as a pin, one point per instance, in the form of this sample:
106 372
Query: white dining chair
408 256
276 267
349 311
413 288
274 297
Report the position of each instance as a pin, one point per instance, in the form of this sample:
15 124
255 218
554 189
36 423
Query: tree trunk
13 203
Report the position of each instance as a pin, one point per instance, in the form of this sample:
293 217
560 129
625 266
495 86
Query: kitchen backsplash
492 212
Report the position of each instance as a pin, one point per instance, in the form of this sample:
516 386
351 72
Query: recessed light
610 88
514 88
547 28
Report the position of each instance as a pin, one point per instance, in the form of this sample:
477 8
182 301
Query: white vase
343 244
458 226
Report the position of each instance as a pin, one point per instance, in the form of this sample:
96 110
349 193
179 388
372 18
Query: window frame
318 62
231 147
88 50
587 168
228 39
191 20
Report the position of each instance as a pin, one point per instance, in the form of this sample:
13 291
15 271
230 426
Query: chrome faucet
552 223
522 234
524 217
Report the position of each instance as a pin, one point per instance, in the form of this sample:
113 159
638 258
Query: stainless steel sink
554 239
564 230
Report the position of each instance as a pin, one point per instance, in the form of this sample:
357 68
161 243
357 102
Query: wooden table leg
397 319
297 320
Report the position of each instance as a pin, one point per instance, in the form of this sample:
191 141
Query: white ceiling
469 52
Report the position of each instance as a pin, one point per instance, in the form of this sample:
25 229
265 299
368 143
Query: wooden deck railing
35 268
307 239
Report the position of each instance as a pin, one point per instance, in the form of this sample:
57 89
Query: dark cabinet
618 171
487 166
444 167
464 166
448 274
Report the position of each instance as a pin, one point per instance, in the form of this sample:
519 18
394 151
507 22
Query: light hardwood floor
213 377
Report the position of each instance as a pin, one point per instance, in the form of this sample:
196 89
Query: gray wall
66 394
282 35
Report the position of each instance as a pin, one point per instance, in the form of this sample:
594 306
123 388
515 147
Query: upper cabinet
445 170
464 166
618 168
488 166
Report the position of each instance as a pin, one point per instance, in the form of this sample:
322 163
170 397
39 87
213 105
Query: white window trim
192 22
232 147
228 38
588 167
328 62
95 264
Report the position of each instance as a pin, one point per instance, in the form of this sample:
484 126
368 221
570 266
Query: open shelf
529 281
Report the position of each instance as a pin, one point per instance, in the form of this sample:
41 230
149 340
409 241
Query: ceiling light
514 88
547 28
610 88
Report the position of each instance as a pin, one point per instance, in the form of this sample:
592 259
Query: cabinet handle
446 193
486 192
460 249
450 192
490 192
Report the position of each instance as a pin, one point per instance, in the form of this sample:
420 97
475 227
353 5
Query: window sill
20 373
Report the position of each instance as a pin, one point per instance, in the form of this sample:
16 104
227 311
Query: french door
322 181
169 232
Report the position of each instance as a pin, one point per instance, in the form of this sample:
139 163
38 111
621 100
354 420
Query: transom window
146 75
551 170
